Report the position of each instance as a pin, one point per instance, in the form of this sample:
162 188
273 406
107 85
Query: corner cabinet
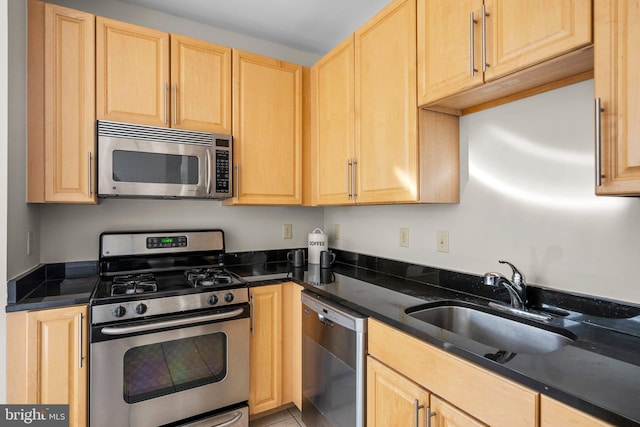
154 78
61 105
370 142
267 131
47 359
465 44
617 62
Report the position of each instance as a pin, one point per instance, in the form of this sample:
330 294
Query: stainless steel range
169 333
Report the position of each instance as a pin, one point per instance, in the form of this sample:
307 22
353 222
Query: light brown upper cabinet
267 131
61 105
201 85
386 149
468 43
617 62
139 81
370 142
332 115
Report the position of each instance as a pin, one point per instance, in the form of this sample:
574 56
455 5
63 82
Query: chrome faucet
516 286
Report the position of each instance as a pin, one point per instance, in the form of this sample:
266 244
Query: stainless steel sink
493 330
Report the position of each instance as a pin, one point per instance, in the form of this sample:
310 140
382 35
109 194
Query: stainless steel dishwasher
334 351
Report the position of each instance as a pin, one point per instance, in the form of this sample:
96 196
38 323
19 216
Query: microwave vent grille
153 133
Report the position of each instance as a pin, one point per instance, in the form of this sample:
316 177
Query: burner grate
204 277
133 284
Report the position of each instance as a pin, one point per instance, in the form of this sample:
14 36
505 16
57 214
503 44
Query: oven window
155 168
169 367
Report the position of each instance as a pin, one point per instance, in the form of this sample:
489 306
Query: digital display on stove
167 242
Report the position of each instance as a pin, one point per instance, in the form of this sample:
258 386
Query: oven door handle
123 330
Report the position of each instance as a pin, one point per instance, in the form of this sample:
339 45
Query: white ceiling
313 26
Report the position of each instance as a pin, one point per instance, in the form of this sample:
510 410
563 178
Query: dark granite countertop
52 285
598 373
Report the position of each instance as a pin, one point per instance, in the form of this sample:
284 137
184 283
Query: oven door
145 168
154 373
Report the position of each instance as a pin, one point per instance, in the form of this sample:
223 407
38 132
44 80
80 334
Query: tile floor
291 417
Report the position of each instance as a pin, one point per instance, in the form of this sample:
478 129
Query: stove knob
141 308
228 297
119 311
213 300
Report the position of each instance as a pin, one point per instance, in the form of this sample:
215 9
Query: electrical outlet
336 231
404 237
287 231
442 240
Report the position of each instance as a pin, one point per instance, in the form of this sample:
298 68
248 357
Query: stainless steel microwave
148 161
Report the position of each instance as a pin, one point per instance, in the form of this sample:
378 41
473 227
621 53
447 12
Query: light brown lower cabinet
275 347
393 400
462 390
47 359
554 413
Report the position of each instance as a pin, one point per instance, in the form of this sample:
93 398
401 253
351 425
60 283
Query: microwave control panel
223 169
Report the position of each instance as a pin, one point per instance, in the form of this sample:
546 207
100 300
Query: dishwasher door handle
325 321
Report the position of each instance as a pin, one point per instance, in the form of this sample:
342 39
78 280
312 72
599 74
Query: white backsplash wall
527 196
70 233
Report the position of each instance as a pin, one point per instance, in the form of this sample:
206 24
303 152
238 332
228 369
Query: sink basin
493 330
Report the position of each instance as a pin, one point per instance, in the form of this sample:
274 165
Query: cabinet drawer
489 397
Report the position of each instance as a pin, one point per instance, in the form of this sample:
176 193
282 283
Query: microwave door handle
208 167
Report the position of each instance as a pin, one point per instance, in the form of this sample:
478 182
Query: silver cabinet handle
122 330
484 38
208 169
472 42
429 415
166 102
237 182
354 162
80 340
253 319
349 179
416 415
175 103
89 189
598 112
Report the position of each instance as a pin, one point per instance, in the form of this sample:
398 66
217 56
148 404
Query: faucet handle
517 278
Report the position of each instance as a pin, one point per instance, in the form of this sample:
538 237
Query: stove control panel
137 309
167 242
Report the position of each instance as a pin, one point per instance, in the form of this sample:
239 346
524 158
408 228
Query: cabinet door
132 73
47 363
200 85
266 349
62 112
333 125
445 415
554 413
393 400
292 344
386 106
267 115
617 62
523 33
449 48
